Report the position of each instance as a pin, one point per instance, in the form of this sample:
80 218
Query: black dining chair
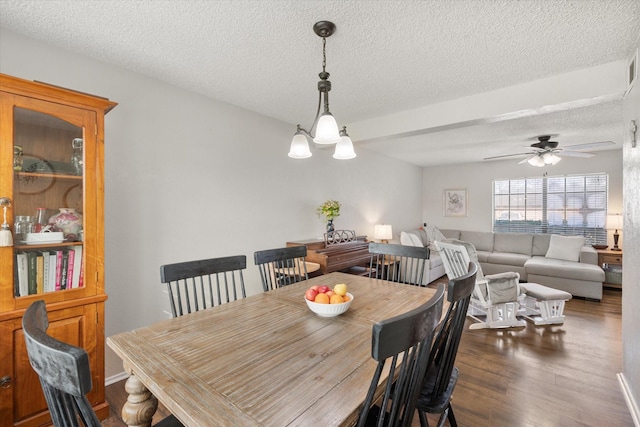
398 263
442 376
281 266
202 284
405 342
64 373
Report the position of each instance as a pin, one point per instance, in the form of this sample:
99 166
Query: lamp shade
382 232
344 149
614 222
536 161
327 130
550 158
299 147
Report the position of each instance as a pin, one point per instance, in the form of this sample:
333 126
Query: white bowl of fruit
328 302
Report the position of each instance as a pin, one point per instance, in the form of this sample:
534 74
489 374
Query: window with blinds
568 205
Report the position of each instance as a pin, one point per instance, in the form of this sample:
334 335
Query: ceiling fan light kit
324 130
546 152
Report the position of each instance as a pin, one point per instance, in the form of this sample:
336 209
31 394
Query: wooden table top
267 360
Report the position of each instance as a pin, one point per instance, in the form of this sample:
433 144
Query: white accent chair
500 298
494 297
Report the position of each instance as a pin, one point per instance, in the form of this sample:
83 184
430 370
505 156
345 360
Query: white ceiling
385 57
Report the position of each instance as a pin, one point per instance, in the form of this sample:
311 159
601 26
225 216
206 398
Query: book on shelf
64 270
39 273
23 280
71 254
52 272
77 267
32 273
45 271
58 280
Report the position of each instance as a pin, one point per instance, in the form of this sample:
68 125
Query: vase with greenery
329 210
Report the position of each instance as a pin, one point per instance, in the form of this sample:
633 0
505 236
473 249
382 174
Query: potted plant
329 210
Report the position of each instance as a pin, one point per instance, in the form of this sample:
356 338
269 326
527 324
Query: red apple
323 289
315 287
311 294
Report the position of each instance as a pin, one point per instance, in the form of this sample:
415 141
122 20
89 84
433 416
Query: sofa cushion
540 244
565 247
517 243
551 267
482 240
435 260
433 234
483 256
451 234
505 258
410 239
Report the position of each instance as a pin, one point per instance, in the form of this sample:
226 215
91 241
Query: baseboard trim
628 397
115 378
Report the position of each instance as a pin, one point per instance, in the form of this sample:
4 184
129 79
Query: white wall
477 178
631 264
188 177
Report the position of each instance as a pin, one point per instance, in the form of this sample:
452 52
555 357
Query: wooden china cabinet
51 157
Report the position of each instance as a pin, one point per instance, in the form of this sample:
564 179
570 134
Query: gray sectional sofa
527 254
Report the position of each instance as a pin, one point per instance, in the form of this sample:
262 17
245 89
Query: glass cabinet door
50 144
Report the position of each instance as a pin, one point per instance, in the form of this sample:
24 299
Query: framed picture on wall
454 202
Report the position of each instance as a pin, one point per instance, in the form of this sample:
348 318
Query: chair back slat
439 380
398 263
281 266
408 338
63 370
201 284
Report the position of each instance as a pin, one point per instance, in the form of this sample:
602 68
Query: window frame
579 204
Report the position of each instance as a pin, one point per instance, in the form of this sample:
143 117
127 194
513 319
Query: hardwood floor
536 376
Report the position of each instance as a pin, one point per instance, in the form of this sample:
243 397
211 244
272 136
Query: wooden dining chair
64 373
281 266
404 342
398 263
442 375
201 284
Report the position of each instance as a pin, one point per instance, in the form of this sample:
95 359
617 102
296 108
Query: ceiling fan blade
506 155
590 145
575 154
527 159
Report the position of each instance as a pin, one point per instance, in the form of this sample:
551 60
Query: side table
607 257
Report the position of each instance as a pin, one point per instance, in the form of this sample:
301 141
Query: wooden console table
609 257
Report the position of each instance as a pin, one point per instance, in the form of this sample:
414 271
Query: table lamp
615 221
383 232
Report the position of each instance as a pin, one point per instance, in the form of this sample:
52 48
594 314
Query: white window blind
569 205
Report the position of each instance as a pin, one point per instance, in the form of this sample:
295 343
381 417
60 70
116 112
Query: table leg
141 404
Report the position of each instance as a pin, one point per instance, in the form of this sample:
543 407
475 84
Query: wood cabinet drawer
611 258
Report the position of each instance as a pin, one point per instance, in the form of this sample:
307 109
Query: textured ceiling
385 57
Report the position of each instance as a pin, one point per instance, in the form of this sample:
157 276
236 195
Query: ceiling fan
546 152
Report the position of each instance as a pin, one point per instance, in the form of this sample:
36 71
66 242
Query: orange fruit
336 299
322 299
346 298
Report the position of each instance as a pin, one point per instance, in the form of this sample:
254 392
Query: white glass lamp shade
382 232
536 161
344 149
550 158
299 147
327 130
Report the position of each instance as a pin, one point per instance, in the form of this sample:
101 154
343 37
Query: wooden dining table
265 360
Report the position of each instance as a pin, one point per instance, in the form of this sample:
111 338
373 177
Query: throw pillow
566 248
433 234
409 239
